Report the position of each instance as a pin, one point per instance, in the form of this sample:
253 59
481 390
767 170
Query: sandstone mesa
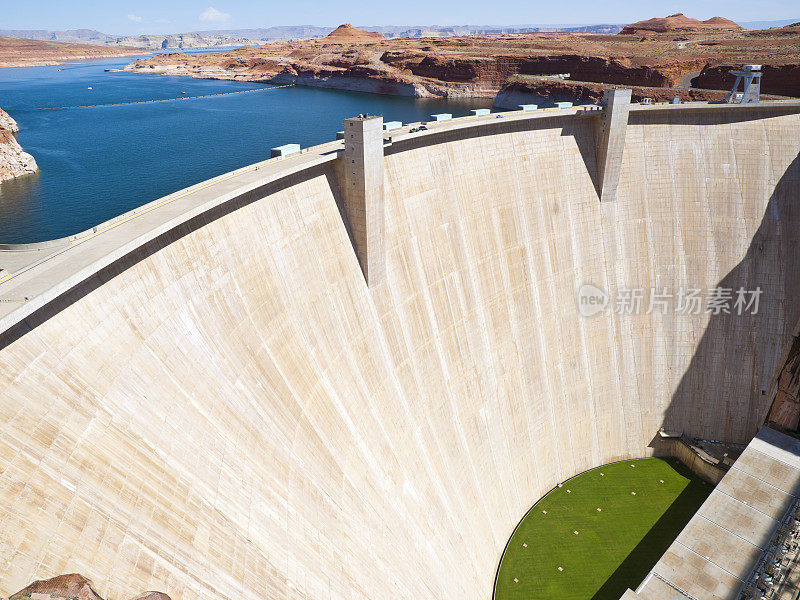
348 33
680 22
20 52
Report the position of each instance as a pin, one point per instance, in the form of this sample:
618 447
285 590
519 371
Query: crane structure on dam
750 77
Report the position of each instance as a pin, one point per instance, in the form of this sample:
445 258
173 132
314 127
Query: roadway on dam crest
53 260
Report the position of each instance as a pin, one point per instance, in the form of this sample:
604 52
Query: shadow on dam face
229 412
737 355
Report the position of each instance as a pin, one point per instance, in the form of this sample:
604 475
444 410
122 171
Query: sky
174 16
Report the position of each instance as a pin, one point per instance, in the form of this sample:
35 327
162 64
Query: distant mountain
69 35
282 33
251 37
607 28
145 42
768 24
297 32
447 31
182 40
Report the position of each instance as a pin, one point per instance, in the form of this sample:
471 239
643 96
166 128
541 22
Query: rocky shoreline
14 161
351 80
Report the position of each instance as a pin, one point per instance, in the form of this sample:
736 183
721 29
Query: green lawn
615 547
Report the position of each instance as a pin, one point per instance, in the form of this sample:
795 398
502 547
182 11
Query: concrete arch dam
205 397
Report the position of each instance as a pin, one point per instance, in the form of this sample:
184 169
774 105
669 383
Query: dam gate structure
236 393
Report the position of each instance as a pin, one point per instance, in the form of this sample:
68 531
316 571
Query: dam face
228 411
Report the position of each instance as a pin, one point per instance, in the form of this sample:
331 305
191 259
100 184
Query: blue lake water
96 163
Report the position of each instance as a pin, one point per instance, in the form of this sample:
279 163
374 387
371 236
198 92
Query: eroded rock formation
13 160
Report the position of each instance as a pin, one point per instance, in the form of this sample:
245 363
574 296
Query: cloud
135 18
212 15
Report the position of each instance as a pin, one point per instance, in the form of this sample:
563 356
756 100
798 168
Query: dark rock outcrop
70 587
62 587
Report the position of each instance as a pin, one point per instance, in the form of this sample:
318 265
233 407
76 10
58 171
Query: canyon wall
229 412
549 90
481 65
601 69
